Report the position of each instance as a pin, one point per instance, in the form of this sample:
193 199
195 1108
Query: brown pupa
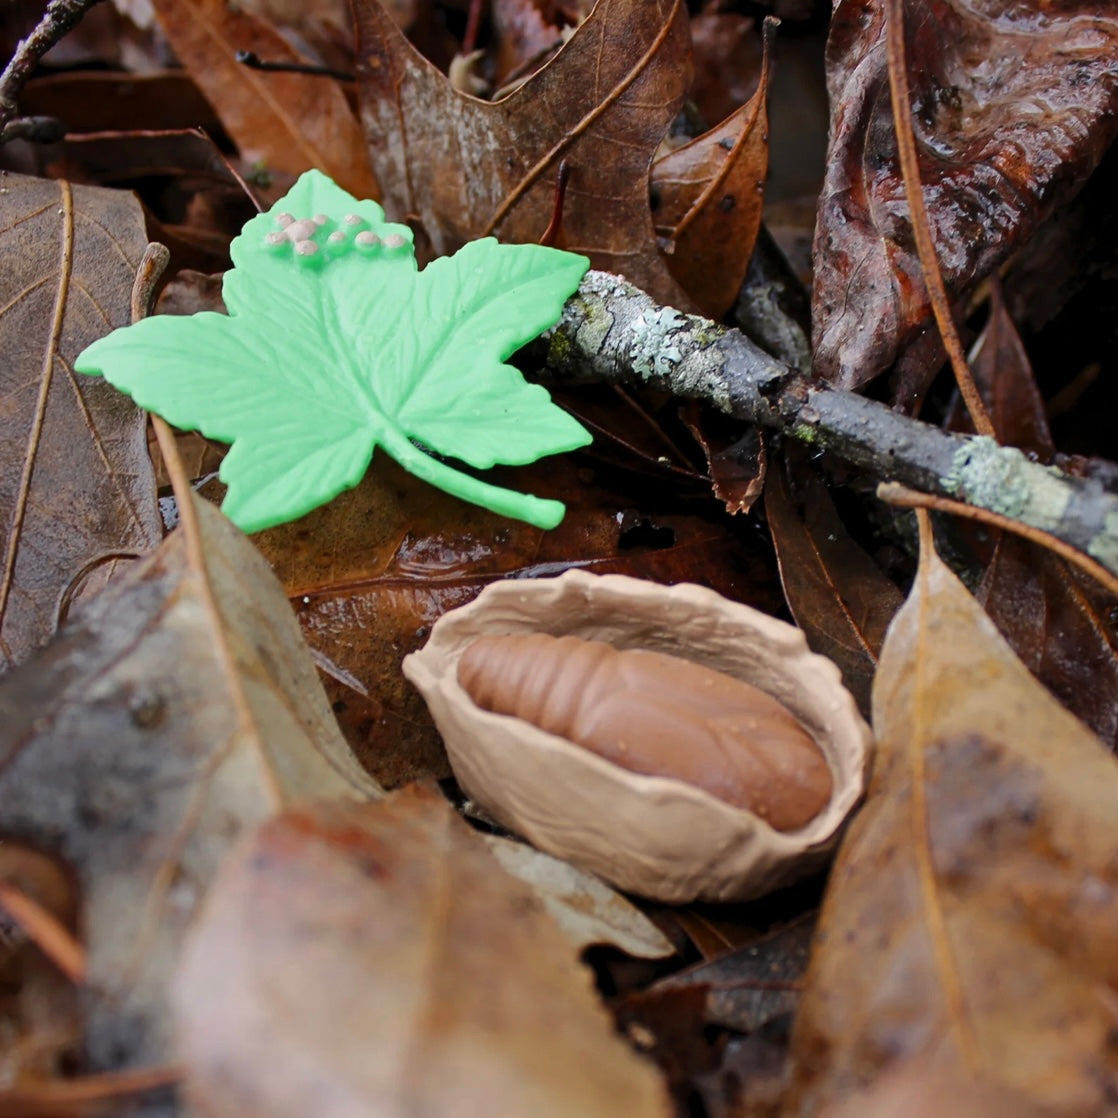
654 835
657 714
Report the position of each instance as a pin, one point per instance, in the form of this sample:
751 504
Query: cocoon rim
655 836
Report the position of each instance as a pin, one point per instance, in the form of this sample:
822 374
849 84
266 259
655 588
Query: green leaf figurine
336 343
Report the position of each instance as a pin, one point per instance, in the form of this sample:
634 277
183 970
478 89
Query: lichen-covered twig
59 17
612 331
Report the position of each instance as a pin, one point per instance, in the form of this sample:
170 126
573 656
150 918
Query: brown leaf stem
918 742
89 1095
550 236
45 930
147 279
897 494
914 192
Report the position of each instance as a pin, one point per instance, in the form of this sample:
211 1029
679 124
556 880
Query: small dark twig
255 62
59 18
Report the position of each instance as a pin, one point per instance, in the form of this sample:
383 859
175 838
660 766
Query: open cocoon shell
651 835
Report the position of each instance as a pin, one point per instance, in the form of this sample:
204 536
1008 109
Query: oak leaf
465 168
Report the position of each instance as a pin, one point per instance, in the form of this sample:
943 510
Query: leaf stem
896 494
921 230
537 511
45 930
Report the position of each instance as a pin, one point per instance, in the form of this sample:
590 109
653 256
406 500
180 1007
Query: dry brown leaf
76 485
291 122
972 914
375 960
708 196
467 168
142 739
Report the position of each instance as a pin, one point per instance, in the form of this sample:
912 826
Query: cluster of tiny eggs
302 234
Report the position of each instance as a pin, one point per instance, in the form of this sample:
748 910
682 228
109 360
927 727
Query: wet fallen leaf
1061 624
76 485
1004 375
357 960
993 166
707 199
753 984
291 122
973 909
838 595
734 1075
465 168
139 742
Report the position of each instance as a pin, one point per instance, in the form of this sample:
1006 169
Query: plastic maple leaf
336 343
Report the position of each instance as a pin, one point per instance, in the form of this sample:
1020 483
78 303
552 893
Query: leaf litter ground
387 560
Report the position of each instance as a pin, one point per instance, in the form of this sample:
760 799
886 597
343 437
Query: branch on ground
614 332
60 17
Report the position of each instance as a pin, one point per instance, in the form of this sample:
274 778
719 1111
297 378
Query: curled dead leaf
465 168
993 167
649 834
